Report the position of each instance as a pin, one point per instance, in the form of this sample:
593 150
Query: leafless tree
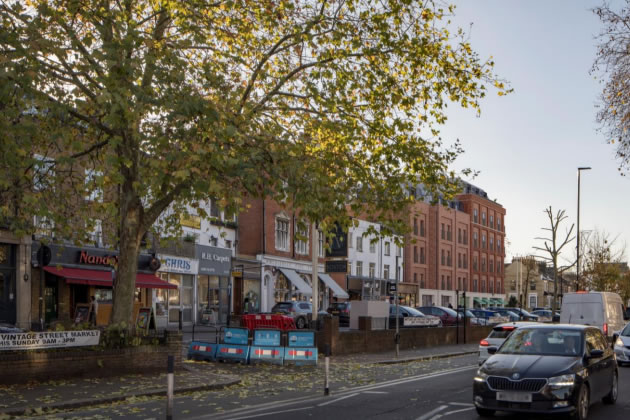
613 65
553 247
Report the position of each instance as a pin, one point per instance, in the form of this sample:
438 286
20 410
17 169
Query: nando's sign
86 258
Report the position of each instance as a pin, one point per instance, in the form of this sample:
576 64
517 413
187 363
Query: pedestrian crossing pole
169 387
397 338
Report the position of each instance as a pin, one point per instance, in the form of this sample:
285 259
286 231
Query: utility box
376 309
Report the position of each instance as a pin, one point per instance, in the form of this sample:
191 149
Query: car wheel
583 403
300 323
484 412
611 398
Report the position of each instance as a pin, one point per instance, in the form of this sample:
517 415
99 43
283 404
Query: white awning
297 281
333 285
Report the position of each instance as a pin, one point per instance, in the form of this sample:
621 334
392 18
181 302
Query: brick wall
25 366
349 342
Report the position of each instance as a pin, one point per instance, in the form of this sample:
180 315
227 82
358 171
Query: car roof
539 326
516 324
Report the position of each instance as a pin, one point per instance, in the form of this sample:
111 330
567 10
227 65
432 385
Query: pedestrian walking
93 311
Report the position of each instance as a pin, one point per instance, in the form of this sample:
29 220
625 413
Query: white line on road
338 399
462 404
448 413
271 413
375 392
284 403
432 412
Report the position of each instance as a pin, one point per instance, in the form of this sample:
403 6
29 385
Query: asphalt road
439 389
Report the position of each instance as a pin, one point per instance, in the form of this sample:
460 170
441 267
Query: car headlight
619 343
481 376
562 381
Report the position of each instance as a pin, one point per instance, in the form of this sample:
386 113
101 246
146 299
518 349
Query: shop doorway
8 292
50 304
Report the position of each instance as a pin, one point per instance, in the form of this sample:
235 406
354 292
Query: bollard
326 365
181 319
169 388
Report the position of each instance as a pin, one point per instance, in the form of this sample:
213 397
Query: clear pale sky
528 145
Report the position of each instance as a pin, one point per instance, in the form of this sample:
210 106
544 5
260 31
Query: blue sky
528 145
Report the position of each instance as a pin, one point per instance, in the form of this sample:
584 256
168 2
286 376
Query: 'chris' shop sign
172 264
213 260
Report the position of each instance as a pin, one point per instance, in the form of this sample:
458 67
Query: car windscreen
548 342
626 331
282 306
412 311
449 311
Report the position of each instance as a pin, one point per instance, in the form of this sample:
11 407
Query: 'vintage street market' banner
45 340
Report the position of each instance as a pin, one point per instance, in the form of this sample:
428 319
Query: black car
342 310
547 368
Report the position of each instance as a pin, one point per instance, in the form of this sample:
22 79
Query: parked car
342 310
10 329
506 312
547 368
621 343
484 314
447 315
409 312
547 315
474 319
496 337
601 309
300 311
523 314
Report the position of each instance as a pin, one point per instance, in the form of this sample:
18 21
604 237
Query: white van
600 309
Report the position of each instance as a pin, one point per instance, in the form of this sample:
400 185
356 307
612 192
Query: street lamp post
577 269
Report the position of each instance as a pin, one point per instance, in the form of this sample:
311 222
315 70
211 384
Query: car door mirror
492 350
595 354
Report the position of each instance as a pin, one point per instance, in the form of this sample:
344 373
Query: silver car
300 311
497 336
622 345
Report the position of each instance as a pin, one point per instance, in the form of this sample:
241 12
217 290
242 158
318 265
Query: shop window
446 300
282 234
427 300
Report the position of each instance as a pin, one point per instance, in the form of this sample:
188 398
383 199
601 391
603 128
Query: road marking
375 392
432 412
338 399
284 403
448 413
271 413
462 404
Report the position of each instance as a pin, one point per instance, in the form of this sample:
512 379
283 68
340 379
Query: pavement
39 398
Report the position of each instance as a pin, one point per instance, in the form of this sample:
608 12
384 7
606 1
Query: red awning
104 278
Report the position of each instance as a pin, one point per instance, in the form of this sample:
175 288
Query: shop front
246 286
408 294
213 284
179 272
74 274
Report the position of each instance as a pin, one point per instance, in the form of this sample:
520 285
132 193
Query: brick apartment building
456 247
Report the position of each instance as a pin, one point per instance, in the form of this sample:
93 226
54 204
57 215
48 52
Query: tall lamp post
577 269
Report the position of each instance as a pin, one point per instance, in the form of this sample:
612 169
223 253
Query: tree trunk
129 248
